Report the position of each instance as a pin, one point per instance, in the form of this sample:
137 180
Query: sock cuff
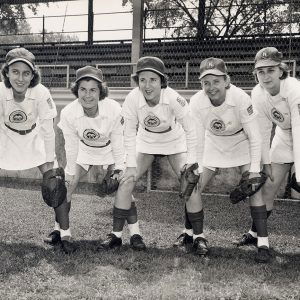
196 216
258 212
120 213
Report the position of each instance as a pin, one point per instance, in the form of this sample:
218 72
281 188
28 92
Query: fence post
186 74
43 32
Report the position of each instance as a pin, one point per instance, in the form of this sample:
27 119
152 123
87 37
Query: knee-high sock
259 216
187 223
196 220
132 214
253 227
62 214
119 218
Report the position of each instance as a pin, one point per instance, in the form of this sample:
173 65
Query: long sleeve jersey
282 110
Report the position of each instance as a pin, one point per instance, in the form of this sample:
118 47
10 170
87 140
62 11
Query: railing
118 74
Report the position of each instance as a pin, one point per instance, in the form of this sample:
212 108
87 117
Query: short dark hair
164 80
34 81
282 66
101 85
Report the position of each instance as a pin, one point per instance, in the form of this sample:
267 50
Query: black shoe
200 246
183 240
67 245
263 255
53 238
111 242
247 239
137 243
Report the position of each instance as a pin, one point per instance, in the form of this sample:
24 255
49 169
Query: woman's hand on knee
130 174
267 169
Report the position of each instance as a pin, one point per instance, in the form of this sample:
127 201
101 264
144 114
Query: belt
167 130
22 132
95 146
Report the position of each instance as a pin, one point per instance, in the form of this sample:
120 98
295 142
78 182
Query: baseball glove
293 183
247 187
109 184
54 189
188 180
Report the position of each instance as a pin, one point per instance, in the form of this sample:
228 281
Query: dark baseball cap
212 66
268 57
150 63
20 54
89 72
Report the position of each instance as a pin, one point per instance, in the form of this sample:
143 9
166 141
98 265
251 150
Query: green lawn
32 270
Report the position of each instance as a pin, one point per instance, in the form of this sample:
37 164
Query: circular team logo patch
151 121
91 135
277 115
217 125
18 116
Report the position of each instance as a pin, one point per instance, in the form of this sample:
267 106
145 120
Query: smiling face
150 86
88 93
215 88
20 76
269 78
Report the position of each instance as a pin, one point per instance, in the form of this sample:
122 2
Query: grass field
32 270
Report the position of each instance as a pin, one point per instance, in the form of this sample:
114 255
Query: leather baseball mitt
109 184
54 189
247 187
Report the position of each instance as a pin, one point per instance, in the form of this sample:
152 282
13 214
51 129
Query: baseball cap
212 66
151 63
89 72
20 54
267 57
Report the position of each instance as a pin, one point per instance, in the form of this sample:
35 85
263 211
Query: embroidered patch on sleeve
250 110
50 103
181 101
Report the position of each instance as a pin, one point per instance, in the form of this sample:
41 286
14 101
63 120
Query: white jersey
165 129
284 111
24 141
227 135
93 141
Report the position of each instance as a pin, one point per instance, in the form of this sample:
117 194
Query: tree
12 17
227 18
14 27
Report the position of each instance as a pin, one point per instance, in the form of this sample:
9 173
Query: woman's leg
62 231
125 209
193 212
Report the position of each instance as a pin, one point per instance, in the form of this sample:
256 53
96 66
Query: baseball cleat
137 243
53 238
183 240
67 245
263 255
247 239
111 242
200 246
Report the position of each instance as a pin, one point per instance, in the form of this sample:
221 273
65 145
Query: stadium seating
175 53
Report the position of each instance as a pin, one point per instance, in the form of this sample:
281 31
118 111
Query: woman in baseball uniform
277 100
228 136
164 128
27 111
93 131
